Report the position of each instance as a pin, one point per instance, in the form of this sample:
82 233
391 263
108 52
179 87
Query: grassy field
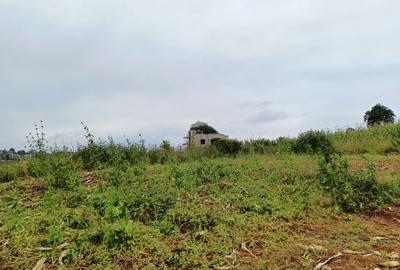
375 140
112 207
253 212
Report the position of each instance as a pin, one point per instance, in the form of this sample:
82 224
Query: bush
186 220
259 146
312 142
13 171
350 191
265 146
108 153
117 176
103 154
59 169
117 236
396 141
391 189
228 147
200 173
163 154
151 206
144 202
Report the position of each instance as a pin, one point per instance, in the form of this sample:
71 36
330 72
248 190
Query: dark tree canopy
378 115
21 152
205 129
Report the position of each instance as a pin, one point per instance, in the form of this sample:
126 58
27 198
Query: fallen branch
320 265
352 252
43 248
247 250
39 265
390 264
62 256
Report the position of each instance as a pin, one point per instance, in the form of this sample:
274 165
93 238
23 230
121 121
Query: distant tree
12 151
379 115
166 146
21 152
206 129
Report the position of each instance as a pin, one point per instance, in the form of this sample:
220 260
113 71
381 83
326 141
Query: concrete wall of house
201 140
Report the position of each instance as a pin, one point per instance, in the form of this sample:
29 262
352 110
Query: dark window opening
202 141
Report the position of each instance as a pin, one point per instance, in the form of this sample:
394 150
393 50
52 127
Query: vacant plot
254 212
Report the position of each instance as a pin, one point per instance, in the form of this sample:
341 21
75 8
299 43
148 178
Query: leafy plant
59 169
97 155
162 154
200 172
312 142
228 147
350 191
117 236
13 171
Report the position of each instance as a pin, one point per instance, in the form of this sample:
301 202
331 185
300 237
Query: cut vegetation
283 204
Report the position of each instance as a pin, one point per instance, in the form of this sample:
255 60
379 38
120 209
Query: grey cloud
269 115
156 66
256 104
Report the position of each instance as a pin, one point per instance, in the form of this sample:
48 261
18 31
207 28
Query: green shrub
396 141
264 209
108 153
228 147
285 145
199 173
13 171
126 233
58 169
117 236
350 191
77 219
312 142
265 146
116 176
151 205
115 212
144 202
186 220
259 146
391 191
163 154
56 235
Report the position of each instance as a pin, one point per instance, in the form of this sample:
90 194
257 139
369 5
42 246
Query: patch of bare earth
364 241
91 179
32 188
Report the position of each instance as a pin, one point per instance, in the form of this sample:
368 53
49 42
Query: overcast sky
250 68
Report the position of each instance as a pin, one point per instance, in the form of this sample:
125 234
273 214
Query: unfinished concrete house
201 135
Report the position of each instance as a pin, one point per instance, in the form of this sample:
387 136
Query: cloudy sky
250 68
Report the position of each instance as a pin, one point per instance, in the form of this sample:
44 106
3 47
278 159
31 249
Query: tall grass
101 154
374 140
